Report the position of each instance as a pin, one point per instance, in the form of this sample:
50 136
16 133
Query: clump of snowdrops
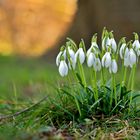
103 95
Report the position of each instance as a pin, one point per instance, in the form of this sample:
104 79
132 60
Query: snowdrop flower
130 58
136 46
91 59
80 55
63 68
123 49
58 58
71 62
103 43
126 61
71 53
113 68
113 44
61 53
93 45
106 60
106 42
97 64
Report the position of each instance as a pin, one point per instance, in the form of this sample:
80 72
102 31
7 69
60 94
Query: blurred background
40 27
32 32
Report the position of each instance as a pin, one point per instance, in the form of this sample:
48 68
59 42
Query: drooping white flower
63 68
71 53
106 60
90 59
132 57
136 47
80 55
97 64
71 62
106 42
122 50
61 53
93 45
136 44
113 44
113 68
103 43
58 58
126 61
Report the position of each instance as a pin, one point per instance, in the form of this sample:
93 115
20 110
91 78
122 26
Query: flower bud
113 44
71 53
106 60
97 64
136 46
61 53
113 68
132 57
122 50
90 59
58 58
80 55
63 68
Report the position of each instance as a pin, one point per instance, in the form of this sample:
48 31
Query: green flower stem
81 70
111 96
129 81
92 78
132 83
133 76
122 78
114 88
96 88
102 77
125 72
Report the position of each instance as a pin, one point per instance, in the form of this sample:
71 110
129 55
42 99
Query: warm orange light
30 27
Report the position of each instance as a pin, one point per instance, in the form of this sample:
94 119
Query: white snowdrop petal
64 54
90 60
71 53
107 60
103 60
94 44
89 51
107 43
122 48
63 68
136 44
126 61
113 44
58 58
138 52
126 53
132 57
81 56
103 44
114 66
98 64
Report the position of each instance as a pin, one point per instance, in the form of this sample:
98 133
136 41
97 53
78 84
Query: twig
22 111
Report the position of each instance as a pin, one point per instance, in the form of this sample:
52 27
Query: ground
27 94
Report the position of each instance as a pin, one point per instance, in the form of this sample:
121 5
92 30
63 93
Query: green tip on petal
62 58
72 43
136 36
62 48
111 34
94 38
129 44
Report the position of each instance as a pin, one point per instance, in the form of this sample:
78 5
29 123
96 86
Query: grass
23 85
